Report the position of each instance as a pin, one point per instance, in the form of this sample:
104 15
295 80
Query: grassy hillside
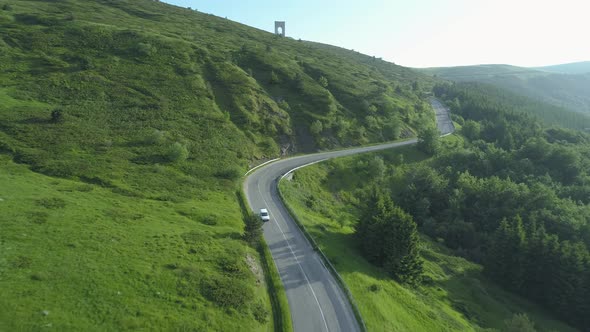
455 296
570 91
125 127
75 257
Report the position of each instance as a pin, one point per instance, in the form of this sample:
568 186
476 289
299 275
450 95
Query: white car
264 215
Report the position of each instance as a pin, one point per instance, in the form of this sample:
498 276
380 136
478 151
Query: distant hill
462 73
569 91
568 68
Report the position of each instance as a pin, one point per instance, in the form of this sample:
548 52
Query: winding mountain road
316 301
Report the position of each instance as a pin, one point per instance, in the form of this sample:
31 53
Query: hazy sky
425 33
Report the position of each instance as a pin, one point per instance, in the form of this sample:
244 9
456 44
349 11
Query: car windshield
264 214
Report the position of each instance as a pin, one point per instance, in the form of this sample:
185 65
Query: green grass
98 260
457 296
278 296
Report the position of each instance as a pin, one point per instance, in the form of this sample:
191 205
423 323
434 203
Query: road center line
298 264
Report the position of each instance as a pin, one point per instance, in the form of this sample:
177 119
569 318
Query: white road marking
264 163
298 167
298 264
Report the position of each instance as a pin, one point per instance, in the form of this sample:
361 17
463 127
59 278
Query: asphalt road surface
443 117
316 301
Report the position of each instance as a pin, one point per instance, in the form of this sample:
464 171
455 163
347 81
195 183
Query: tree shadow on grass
465 288
150 159
466 292
36 121
348 259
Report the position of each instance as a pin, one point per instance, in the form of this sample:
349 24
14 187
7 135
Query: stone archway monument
280 28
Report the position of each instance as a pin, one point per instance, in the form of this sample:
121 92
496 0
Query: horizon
459 32
509 64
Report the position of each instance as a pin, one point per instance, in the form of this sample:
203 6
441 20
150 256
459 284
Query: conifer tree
389 238
373 223
401 248
505 261
253 230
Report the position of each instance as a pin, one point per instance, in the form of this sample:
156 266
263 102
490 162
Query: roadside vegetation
125 129
453 294
502 208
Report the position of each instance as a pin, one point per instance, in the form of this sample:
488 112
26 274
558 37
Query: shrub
375 288
38 276
233 266
311 202
51 203
427 280
323 81
56 115
428 141
376 167
189 279
274 78
253 230
299 82
260 312
227 292
145 49
21 262
316 127
155 137
232 173
284 105
6 7
39 217
177 152
268 146
209 219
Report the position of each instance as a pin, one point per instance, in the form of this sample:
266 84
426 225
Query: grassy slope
459 298
133 190
566 91
99 260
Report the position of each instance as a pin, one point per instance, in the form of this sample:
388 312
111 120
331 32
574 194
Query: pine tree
389 238
505 259
401 248
569 281
373 223
536 267
253 230
584 295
